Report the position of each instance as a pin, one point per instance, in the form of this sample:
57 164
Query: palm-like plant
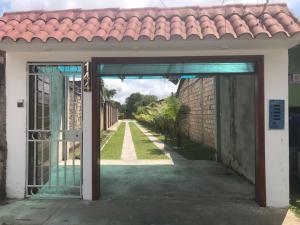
162 116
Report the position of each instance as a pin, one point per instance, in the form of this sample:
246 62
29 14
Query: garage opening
238 115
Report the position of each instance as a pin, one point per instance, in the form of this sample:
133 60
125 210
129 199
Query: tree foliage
109 93
162 115
136 100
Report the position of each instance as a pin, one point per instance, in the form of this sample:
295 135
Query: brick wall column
105 115
109 114
108 105
112 115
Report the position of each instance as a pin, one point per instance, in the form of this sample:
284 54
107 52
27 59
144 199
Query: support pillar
87 147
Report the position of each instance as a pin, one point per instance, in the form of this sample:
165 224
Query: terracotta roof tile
229 21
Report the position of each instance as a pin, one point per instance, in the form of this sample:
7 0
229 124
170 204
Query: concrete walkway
128 151
115 126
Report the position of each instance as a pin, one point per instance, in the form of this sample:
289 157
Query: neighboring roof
229 21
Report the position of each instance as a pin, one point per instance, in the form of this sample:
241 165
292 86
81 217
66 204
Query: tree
146 100
164 116
131 105
135 100
109 93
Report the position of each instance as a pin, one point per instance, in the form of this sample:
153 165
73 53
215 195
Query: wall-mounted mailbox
276 114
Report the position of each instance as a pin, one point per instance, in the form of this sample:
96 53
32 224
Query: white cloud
18 5
58 4
158 87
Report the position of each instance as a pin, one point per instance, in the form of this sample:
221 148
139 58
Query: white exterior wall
276 86
87 146
277 141
15 127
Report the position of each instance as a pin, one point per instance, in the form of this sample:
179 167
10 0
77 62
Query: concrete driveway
187 193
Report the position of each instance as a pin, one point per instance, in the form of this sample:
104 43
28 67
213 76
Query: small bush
162 115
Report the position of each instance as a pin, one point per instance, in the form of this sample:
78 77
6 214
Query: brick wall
74 106
198 117
237 119
108 115
3 146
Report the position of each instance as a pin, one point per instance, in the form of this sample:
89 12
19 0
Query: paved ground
115 126
128 151
187 193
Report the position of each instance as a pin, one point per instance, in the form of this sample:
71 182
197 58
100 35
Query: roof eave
141 45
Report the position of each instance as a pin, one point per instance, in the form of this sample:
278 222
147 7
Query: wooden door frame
260 175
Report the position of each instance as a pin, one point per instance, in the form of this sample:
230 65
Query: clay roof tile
151 23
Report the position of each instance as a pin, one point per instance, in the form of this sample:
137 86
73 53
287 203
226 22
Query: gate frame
260 173
67 63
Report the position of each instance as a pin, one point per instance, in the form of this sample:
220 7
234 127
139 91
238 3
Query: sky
23 5
161 88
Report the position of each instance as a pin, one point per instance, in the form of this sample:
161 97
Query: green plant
189 149
295 207
162 115
137 100
145 149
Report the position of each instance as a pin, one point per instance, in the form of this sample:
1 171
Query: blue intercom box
276 114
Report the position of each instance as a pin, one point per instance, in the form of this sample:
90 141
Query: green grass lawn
189 149
145 149
295 193
113 149
104 135
295 207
